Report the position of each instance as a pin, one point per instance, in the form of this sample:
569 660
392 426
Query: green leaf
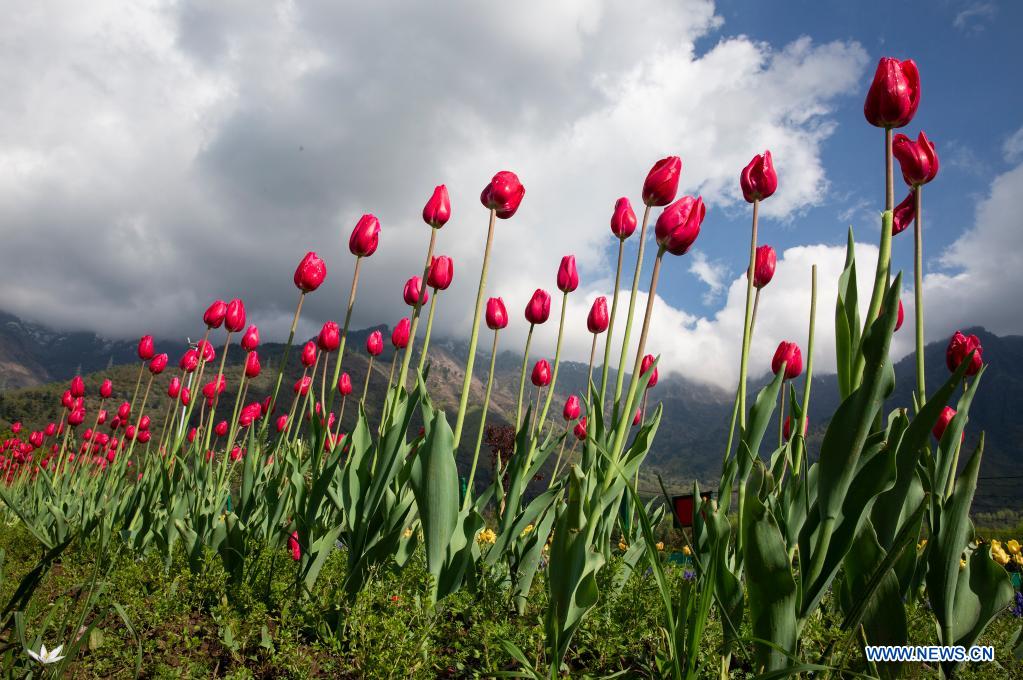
847 320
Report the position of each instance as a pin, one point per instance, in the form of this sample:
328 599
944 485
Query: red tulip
329 338
344 385
365 237
411 292
623 219
918 160
503 194
252 366
308 357
400 334
638 418
580 429
66 400
538 309
76 417
568 277
221 429
894 95
214 387
106 389
901 318
51 429
250 340
215 314
959 347
191 435
442 270
36 439
302 385
944 419
144 422
597 320
237 453
375 343
146 348
572 408
102 416
189 361
264 406
296 549
661 183
763 270
787 352
437 211
541 376
157 364
77 386
16 427
282 423
206 350
174 388
648 361
144 437
679 224
904 213
758 179
234 320
310 273
787 428
497 315
250 414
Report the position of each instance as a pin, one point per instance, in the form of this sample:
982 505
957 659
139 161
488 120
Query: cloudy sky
157 155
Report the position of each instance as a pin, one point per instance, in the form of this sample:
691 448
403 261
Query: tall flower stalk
623 225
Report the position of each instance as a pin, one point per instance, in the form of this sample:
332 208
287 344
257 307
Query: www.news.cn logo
929 653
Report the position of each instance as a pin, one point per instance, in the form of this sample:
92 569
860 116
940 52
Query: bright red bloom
787 428
215 313
310 273
497 315
157 364
763 270
538 309
250 340
679 224
638 418
959 347
758 179
541 376
944 419
308 357
296 549
442 270
572 408
661 182
904 213
365 237
207 351
344 385
375 343
329 338
252 366
302 385
568 277
789 353
51 429
413 287
400 334
281 424
189 361
580 429
146 348
250 413
77 386
894 95
504 194
76 417
106 389
186 396
437 211
174 388
221 429
647 363
234 320
918 160
902 316
623 219
597 320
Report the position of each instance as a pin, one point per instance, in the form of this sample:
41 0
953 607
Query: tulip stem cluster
483 421
620 377
284 358
421 293
610 326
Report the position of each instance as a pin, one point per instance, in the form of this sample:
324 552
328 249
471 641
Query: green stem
748 317
589 372
557 363
216 392
620 377
429 330
302 412
800 441
365 386
284 360
415 312
611 324
522 377
483 422
918 295
390 380
138 382
735 404
344 330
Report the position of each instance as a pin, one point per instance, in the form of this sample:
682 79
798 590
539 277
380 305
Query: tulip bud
16 427
679 225
647 363
77 386
234 319
250 340
264 407
661 183
237 453
411 293
189 361
442 270
310 273
329 338
504 194
252 366
623 219
51 429
115 423
206 350
787 428
758 179
174 388
76 417
572 408
400 334
638 418
580 429
215 314
144 422
191 435
918 160
789 353
129 433
144 437
437 211
102 416
538 309
302 385
944 419
541 376
375 343
66 400
365 237
124 410
902 316
597 319
568 277
36 439
763 270
157 364
904 213
106 389
497 315
282 423
959 347
344 385
221 429
146 348
894 95
294 547
309 354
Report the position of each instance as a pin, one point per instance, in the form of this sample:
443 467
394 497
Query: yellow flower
623 546
1000 556
408 533
996 544
660 546
1018 559
962 564
487 536
1013 546
686 550
922 544
528 529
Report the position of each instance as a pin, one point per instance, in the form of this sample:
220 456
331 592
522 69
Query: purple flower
689 575
1017 609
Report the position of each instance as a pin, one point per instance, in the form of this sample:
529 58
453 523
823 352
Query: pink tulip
281 424
206 350
174 388
648 362
538 309
597 320
437 211
959 347
763 270
679 225
308 357
252 366
623 220
541 376
572 408
157 364
189 361
904 213
344 385
580 429
77 386
788 352
215 313
365 237
497 315
146 348
894 95
302 385
758 179
946 416
250 341
296 549
661 182
918 160
400 334
568 277
504 194
234 320
442 270
375 343
329 338
411 292
106 389
310 273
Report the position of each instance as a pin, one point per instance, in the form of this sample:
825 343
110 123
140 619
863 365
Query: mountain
689 443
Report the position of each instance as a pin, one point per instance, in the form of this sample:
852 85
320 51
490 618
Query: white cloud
1012 149
711 273
974 17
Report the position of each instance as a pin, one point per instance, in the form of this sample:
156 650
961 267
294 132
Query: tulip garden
256 536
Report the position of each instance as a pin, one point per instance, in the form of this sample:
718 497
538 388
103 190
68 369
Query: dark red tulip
568 277
310 273
252 367
902 316
308 357
758 179
442 270
76 417
215 313
661 183
400 334
189 361
191 435
264 406
538 309
36 439
497 315
174 388
106 389
375 343
250 341
787 352
918 160
250 413
206 350
294 547
503 194
787 428
234 320
329 338
16 427
302 385
597 320
221 429
365 237
51 429
679 224
947 414
638 418
763 270
67 400
648 361
959 347
411 292
541 376
437 211
214 387
580 429
623 219
157 364
281 424
572 408
77 386
146 348
129 433
344 385
904 213
144 437
102 417
894 95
